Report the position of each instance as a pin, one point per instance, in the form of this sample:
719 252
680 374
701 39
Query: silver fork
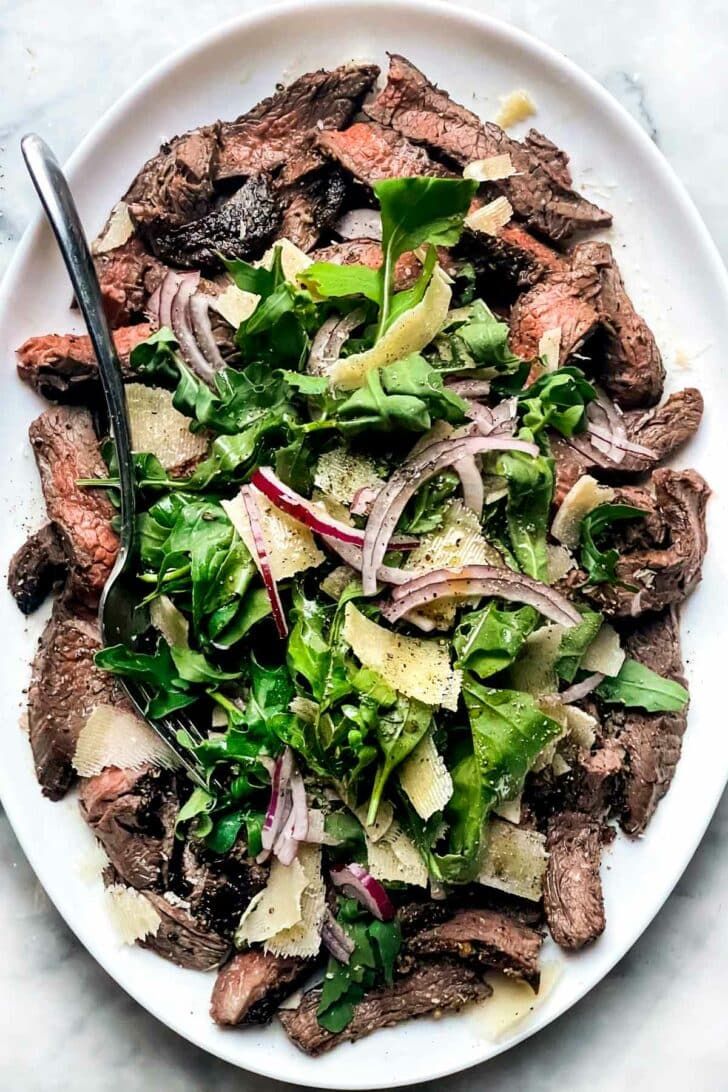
118 602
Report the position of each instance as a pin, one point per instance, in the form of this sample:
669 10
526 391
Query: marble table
658 1020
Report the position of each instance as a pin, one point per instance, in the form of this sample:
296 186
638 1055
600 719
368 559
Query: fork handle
55 196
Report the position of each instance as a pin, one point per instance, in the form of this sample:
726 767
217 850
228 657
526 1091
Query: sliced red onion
581 689
167 291
202 327
152 308
471 482
330 339
620 445
404 483
359 224
277 813
357 883
478 580
260 557
469 388
335 939
310 514
363 500
420 619
183 332
351 554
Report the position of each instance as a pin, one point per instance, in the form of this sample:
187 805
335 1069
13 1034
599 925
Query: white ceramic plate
676 278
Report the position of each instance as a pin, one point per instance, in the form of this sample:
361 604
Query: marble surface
658 1019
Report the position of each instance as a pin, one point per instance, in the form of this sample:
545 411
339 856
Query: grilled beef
434 986
175 186
66 449
371 152
65 687
509 261
128 275
540 190
63 367
180 938
216 888
573 888
36 568
563 300
311 207
251 986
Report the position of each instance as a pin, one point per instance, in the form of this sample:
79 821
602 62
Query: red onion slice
471 482
167 291
359 224
152 308
338 942
581 689
330 339
277 814
357 883
404 483
351 554
260 557
363 500
310 514
182 326
469 388
202 326
479 580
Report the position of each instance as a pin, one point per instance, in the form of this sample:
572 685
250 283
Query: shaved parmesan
415 667
490 169
170 622
117 737
396 859
379 828
559 561
513 1000
535 669
304 938
582 498
341 474
132 915
559 765
118 229
426 779
582 726
293 259
157 427
490 218
412 331
514 861
277 907
516 106
338 580
605 653
235 305
549 348
92 862
510 810
290 545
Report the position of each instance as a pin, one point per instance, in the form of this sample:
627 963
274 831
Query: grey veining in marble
658 1021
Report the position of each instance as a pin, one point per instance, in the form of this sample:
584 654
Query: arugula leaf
156 356
487 641
601 565
575 642
530 489
557 400
335 281
398 731
638 687
408 394
479 339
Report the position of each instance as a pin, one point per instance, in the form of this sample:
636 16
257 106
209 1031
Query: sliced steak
66 449
369 252
65 687
434 986
36 568
631 368
652 741
63 367
239 228
128 275
133 813
597 777
486 938
372 152
563 300
249 988
175 186
217 889
539 192
311 207
180 939
278 134
661 571
513 257
573 888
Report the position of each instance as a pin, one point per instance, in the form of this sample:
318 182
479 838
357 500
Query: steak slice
434 986
540 190
369 252
487 939
63 367
564 300
180 939
371 152
128 275
36 568
249 988
573 898
217 889
657 572
631 369
65 687
513 257
175 186
653 741
239 228
278 134
133 815
66 449
597 776
311 207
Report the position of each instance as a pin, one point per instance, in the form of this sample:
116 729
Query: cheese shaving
582 498
379 828
559 562
91 863
157 427
490 169
235 305
559 765
605 653
582 726
132 915
510 810
304 938
512 1000
514 860
426 779
415 667
549 348
516 106
341 474
411 332
170 622
277 907
291 546
293 259
535 669
118 229
395 859
490 218
117 737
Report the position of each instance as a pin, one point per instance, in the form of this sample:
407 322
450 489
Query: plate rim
514 36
